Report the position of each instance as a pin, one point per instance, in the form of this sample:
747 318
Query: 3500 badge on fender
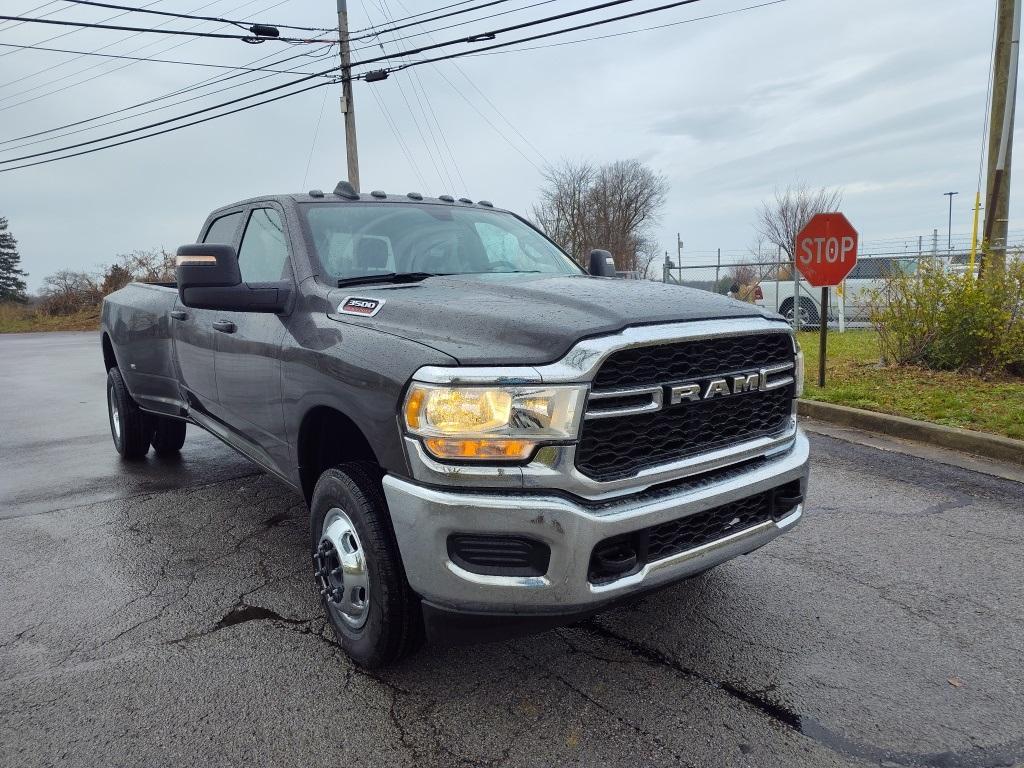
357 305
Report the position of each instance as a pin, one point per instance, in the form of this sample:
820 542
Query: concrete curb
978 443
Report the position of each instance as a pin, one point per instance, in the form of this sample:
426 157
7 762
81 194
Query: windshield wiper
387 277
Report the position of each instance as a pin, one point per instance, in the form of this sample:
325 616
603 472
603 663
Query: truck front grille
618 447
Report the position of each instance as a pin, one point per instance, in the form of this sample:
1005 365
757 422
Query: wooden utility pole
1000 139
347 106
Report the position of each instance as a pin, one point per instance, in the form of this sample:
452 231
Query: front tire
358 568
130 428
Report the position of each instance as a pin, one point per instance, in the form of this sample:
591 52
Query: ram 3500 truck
489 439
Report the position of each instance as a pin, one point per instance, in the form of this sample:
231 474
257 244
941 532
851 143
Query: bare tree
154 265
780 220
562 210
614 206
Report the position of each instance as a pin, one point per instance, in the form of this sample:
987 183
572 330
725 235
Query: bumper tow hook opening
615 560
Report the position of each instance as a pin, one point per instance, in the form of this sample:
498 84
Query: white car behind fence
771 285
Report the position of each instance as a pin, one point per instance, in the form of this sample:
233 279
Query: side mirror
209 278
601 264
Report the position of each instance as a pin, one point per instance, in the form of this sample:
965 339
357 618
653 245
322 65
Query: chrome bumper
424 517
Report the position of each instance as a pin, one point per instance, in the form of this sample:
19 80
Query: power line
398 137
488 121
73 31
491 103
362 75
449 26
541 36
101 48
172 119
417 87
631 31
139 58
179 92
33 10
491 34
312 145
500 113
193 17
124 28
167 130
116 69
376 31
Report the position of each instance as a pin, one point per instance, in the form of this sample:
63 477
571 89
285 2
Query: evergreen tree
12 286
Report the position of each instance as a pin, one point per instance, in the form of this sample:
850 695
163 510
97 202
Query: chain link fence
773 284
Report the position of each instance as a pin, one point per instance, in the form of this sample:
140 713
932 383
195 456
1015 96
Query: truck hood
517 319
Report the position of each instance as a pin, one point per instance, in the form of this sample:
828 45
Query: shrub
67 292
948 321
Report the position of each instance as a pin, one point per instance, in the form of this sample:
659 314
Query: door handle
178 314
224 326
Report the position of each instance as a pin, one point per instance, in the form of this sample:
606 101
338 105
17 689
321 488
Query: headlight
798 371
491 423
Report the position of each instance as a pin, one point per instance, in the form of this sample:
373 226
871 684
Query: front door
248 344
192 330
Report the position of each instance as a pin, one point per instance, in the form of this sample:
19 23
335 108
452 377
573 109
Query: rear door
192 329
248 344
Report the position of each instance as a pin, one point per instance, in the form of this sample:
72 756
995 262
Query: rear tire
168 435
375 615
130 428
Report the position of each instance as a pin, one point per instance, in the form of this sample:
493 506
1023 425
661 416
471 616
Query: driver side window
263 254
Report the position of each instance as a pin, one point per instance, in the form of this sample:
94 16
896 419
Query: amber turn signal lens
412 408
450 448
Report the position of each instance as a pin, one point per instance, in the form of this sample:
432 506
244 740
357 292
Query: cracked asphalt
162 613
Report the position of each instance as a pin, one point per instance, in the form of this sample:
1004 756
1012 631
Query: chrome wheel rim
341 572
115 415
803 313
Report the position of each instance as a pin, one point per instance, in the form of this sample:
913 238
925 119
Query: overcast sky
883 99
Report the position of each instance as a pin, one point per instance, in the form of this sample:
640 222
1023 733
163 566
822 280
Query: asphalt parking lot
162 613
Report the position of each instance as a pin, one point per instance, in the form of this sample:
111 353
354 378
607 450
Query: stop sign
826 249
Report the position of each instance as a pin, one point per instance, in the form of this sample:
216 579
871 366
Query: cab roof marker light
379 193
414 196
465 200
447 198
346 190
486 203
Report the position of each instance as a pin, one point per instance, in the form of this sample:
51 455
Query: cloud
884 99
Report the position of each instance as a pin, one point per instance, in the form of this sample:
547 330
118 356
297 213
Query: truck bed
137 318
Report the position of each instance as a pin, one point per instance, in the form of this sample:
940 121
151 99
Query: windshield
353 240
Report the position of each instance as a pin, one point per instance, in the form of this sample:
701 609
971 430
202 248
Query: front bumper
424 517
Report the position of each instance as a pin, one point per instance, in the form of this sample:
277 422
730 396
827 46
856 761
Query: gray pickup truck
489 439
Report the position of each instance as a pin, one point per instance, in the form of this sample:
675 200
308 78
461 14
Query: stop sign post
826 251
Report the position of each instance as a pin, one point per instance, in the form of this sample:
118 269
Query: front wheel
129 426
358 569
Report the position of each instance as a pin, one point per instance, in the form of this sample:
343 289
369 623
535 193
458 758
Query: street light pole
949 231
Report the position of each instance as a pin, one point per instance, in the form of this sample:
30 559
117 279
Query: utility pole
949 230
347 106
1000 139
